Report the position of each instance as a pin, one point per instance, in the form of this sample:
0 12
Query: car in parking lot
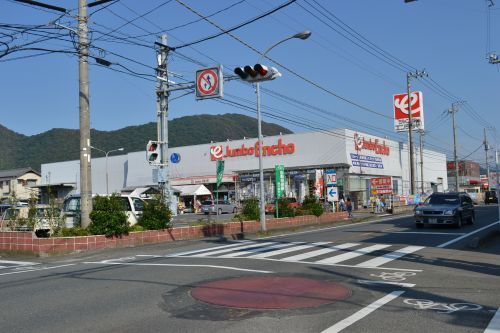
490 197
453 208
218 206
291 202
133 207
44 220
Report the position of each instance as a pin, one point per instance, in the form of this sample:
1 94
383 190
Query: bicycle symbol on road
425 304
394 276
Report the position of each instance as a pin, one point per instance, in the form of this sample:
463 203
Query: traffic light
257 73
153 152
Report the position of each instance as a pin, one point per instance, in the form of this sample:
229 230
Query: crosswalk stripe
18 263
3 267
282 251
375 262
211 253
319 252
257 250
353 254
212 248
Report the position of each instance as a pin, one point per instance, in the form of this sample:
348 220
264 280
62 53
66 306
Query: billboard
400 104
381 185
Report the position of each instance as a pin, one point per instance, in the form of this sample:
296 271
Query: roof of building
14 173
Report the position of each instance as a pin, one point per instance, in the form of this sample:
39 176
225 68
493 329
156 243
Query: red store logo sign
379 148
218 152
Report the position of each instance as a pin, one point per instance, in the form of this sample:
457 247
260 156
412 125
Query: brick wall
20 241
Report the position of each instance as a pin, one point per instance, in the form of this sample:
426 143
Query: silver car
219 207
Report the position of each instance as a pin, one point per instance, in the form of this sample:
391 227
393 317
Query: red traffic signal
153 152
257 73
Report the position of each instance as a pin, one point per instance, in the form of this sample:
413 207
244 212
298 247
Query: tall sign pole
422 160
453 110
409 76
85 167
486 148
162 94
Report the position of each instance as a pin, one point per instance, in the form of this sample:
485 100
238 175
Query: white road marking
319 252
401 284
3 267
290 249
363 312
178 265
375 262
18 263
258 250
36 269
212 248
352 254
467 235
427 233
211 253
494 325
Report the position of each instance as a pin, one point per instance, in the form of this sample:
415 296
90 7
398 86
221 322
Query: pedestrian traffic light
153 152
257 73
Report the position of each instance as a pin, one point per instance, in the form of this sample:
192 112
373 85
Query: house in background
18 182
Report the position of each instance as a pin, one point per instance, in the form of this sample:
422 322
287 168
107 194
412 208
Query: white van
133 207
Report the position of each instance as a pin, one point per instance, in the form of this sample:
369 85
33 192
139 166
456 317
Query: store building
356 158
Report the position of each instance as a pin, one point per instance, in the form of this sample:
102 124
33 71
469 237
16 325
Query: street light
301 35
107 153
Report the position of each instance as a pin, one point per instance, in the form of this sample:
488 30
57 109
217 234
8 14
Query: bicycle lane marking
363 312
391 278
444 308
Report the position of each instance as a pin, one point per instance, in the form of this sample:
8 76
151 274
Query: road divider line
178 265
468 234
363 312
401 284
36 269
428 233
494 325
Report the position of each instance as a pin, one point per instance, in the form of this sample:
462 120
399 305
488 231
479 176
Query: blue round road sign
175 158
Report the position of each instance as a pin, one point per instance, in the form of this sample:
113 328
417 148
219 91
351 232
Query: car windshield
207 203
442 200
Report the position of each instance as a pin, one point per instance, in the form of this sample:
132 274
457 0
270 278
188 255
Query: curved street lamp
107 153
301 35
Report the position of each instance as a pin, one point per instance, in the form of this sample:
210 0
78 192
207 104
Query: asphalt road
387 276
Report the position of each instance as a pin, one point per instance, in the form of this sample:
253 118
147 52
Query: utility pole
162 94
453 110
409 76
486 148
422 159
85 156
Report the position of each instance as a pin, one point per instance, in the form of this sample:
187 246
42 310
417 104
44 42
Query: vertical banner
280 180
220 172
319 184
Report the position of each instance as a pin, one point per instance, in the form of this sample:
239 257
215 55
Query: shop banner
331 177
319 187
280 180
220 172
381 185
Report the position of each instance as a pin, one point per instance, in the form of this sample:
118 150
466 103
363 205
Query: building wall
21 186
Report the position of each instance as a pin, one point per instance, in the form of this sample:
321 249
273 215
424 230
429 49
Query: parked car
490 197
291 202
15 218
133 207
445 208
219 207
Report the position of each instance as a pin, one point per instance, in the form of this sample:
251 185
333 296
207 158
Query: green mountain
59 144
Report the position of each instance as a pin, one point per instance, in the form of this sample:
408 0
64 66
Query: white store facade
355 156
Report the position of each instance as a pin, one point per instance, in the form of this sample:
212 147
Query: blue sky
449 39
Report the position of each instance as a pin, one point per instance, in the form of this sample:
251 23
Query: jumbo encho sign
400 104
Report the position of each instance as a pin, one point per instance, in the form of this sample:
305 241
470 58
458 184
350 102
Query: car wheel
234 210
459 222
419 225
472 218
219 212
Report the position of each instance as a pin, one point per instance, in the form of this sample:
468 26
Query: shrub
108 217
72 232
136 227
156 215
284 209
251 209
312 205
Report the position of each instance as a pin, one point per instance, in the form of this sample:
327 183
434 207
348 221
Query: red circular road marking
270 292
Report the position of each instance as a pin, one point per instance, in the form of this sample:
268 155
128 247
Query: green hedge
108 217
